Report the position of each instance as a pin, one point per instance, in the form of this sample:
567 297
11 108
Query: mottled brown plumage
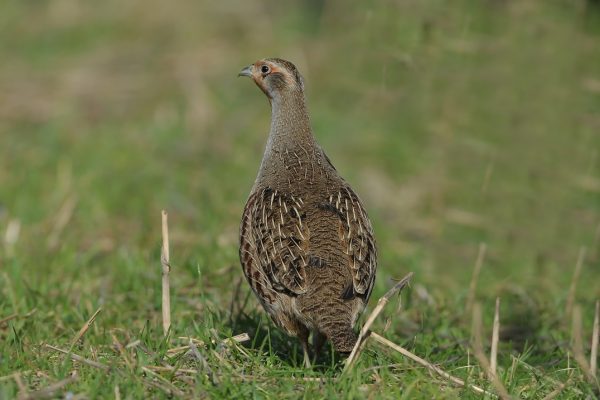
306 242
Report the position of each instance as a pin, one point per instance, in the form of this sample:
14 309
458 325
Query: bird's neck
291 154
290 124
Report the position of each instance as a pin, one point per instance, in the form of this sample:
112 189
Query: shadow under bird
306 243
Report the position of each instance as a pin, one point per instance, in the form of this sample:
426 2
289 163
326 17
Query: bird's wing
356 235
274 240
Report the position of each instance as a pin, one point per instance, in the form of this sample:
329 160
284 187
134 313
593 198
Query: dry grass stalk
6 319
49 391
242 337
117 393
177 350
188 338
361 347
169 390
397 288
22 388
166 268
577 346
80 359
239 338
62 219
475 277
255 378
480 355
133 344
573 287
11 236
122 351
13 316
428 365
557 391
12 376
595 338
495 338
172 369
174 390
30 313
85 327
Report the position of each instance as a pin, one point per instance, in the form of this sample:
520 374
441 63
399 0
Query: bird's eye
265 69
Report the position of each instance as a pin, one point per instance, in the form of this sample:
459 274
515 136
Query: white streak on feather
300 232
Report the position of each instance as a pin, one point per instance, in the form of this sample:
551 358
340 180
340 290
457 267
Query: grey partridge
306 243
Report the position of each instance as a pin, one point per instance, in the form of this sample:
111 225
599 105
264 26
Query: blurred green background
456 122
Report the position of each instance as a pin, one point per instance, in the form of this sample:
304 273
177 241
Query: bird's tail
341 335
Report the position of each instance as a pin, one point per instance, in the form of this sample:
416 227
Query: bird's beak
246 71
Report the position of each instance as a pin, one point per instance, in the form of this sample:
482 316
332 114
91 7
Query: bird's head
275 77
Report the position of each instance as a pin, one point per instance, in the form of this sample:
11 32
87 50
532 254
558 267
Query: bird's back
310 251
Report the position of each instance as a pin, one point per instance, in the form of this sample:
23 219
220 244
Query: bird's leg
318 341
307 363
303 336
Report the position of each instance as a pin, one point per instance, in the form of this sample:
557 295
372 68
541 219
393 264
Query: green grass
457 123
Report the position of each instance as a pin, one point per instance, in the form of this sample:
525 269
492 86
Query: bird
307 246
